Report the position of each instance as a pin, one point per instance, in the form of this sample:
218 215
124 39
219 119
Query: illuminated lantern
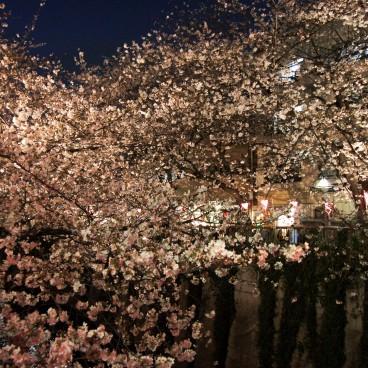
329 208
294 212
294 205
264 203
365 194
244 206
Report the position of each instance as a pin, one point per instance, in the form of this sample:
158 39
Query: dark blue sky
97 27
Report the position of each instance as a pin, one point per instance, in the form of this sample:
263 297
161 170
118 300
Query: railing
295 234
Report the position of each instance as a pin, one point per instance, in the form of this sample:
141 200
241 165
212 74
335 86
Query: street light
323 184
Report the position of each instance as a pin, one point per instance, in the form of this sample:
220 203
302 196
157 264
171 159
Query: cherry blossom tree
95 255
207 104
287 93
98 254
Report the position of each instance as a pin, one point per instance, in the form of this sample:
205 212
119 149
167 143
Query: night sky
97 27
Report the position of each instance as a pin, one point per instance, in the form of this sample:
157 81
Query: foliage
97 252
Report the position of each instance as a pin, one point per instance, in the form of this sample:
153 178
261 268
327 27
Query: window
291 70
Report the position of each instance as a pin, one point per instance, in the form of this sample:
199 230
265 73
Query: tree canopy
97 251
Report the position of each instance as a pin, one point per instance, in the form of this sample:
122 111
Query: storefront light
323 184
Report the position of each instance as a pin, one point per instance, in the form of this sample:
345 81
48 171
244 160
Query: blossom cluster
264 255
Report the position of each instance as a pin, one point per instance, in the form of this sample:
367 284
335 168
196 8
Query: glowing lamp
328 208
323 184
244 206
264 203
